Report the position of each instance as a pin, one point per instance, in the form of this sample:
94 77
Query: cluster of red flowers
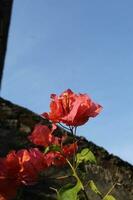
24 166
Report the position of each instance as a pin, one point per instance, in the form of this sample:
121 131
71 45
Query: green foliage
109 197
52 148
94 188
84 156
70 192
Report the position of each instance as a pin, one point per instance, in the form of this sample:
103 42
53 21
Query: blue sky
83 45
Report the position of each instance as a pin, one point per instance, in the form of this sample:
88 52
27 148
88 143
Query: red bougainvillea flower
69 150
32 163
59 158
24 167
43 136
72 109
54 158
9 176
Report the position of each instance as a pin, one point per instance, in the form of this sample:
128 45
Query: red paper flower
9 176
72 109
54 158
32 163
69 150
43 136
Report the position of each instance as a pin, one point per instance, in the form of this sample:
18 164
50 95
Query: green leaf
93 187
109 197
84 156
69 192
46 150
52 148
55 148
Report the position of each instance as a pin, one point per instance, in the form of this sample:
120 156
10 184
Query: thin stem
86 196
73 131
64 127
62 177
54 189
73 170
78 179
110 190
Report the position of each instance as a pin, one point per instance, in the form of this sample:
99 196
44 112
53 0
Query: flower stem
78 179
73 131
85 194
64 127
113 186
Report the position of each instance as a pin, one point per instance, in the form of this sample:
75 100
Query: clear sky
79 44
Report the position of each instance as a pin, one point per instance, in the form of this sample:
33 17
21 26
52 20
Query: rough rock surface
17 122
